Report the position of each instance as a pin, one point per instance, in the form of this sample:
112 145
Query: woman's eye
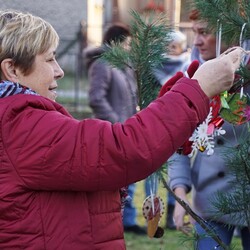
203 33
51 59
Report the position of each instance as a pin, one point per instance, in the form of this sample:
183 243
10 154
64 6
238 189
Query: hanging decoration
153 210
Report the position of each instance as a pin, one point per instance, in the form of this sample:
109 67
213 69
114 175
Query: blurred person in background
113 97
177 57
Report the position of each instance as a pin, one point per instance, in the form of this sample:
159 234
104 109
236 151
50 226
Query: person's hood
90 54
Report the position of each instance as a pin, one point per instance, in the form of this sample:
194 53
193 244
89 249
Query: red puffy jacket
59 177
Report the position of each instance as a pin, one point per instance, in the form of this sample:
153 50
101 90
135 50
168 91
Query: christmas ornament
203 136
238 105
153 209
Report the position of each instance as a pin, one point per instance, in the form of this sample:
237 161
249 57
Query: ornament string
241 35
153 186
241 42
223 95
218 38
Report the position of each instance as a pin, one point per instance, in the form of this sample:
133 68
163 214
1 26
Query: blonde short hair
23 36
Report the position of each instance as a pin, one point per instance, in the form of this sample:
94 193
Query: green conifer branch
203 223
236 205
150 38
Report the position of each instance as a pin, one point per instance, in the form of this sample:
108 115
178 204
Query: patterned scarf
8 88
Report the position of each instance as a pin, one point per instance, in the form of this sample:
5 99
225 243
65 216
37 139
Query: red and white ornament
153 210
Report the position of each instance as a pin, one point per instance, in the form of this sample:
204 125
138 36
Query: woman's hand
181 219
217 75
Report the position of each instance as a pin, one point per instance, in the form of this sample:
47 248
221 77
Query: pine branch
237 204
149 40
244 79
117 56
234 206
204 224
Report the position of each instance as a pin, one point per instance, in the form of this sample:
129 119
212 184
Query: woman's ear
8 70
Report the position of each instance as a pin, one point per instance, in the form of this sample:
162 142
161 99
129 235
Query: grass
171 240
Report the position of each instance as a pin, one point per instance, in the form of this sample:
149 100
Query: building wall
65 16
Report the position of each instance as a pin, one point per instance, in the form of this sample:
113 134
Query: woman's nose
59 73
197 40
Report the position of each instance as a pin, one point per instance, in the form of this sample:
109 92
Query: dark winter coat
112 93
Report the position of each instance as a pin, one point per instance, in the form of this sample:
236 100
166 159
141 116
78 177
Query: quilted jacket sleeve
179 172
51 151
